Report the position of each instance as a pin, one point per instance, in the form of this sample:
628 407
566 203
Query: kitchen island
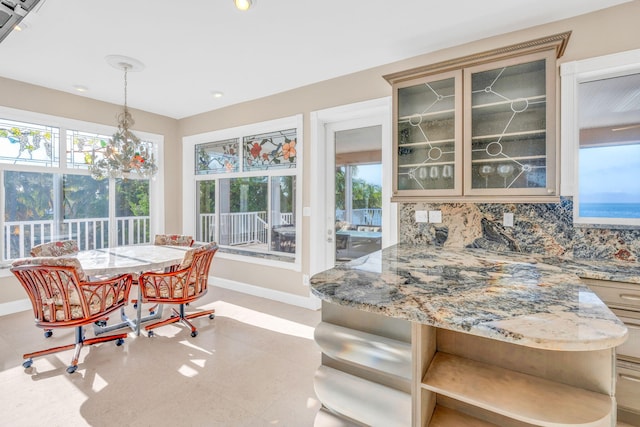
420 335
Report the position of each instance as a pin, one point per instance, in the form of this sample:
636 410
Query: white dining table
130 259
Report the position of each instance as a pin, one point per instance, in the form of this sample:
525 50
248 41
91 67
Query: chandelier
124 154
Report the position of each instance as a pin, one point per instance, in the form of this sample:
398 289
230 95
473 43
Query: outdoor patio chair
62 296
182 286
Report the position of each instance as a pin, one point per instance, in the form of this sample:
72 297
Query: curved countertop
510 297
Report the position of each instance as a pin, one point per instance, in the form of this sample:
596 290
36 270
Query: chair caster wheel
101 323
194 334
135 305
27 363
71 369
48 334
151 313
119 342
212 316
150 334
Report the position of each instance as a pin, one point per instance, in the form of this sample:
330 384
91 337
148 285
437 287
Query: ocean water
610 210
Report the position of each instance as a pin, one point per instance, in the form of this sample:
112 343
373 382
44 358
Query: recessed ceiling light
80 88
244 5
217 94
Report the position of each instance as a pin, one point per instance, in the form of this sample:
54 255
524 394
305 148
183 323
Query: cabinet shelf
506 159
417 165
510 134
406 119
530 100
446 417
515 395
423 143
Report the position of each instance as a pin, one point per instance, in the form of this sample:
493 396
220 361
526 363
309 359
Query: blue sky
610 174
370 173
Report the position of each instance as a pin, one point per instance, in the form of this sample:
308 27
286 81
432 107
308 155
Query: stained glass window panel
82 147
26 143
272 150
217 157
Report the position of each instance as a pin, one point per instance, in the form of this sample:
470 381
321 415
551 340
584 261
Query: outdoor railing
90 233
239 228
93 233
371 216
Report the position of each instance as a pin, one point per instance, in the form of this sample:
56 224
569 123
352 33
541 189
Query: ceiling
191 49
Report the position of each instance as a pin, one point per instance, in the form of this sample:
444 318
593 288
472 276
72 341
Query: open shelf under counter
519 396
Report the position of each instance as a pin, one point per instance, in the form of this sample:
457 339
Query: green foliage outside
364 194
247 194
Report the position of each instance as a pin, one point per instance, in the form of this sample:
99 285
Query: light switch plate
507 220
435 217
422 216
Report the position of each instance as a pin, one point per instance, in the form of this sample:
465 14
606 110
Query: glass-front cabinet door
509 132
428 140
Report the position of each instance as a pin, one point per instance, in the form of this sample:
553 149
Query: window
602 106
49 194
245 187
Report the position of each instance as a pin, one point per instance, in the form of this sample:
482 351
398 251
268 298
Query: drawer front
616 294
628 386
631 347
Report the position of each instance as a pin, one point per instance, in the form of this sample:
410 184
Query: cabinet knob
551 191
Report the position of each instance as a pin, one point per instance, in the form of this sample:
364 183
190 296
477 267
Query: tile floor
253 365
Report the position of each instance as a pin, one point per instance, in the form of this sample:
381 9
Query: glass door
509 137
428 136
357 192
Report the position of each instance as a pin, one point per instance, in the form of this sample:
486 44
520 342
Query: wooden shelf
445 417
515 395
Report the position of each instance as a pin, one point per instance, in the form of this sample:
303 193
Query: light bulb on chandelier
124 154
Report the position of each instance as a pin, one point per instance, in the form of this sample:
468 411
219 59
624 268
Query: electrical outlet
305 279
507 219
422 216
435 217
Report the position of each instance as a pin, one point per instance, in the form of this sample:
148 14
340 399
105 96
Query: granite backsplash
539 228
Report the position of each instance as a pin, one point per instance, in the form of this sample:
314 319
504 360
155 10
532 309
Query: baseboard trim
311 302
15 306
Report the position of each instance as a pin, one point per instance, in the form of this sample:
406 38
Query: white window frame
572 74
156 183
190 178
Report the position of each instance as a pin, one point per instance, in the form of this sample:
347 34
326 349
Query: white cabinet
624 300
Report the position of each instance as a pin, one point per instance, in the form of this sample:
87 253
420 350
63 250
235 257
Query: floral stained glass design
22 143
217 157
273 150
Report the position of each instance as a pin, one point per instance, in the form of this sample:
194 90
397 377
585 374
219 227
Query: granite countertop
523 299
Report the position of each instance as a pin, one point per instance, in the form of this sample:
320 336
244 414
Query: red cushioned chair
55 248
184 285
63 297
